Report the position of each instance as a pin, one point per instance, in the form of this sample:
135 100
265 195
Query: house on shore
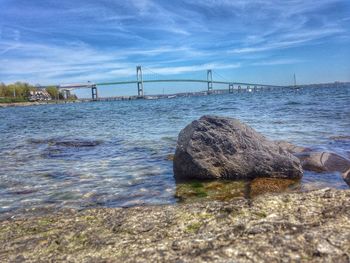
39 95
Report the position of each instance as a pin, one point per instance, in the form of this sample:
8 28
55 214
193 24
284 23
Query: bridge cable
155 73
222 77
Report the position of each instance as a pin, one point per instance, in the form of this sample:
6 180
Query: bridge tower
66 94
139 81
94 94
230 88
210 80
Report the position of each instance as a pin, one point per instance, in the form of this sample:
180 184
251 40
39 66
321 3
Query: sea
119 153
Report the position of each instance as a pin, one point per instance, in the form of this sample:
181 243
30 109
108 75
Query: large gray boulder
217 147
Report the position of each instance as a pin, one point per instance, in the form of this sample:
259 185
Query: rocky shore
295 227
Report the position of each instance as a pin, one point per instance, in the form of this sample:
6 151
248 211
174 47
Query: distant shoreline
34 103
163 96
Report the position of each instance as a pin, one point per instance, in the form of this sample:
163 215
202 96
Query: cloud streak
65 41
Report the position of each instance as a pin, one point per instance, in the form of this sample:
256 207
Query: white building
39 95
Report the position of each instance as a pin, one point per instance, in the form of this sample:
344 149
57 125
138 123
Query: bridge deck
90 85
186 80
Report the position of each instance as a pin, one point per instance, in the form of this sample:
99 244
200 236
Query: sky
264 41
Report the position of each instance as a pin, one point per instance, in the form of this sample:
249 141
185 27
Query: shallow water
117 153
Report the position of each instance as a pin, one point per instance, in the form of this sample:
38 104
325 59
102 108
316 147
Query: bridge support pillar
210 81
139 81
67 94
94 93
230 88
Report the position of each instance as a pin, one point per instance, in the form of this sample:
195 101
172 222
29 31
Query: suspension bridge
159 78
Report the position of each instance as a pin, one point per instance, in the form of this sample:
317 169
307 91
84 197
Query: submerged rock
340 138
220 190
216 147
260 186
346 176
226 190
291 148
320 161
170 157
298 227
66 142
324 161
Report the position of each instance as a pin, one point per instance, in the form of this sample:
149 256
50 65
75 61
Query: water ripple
117 153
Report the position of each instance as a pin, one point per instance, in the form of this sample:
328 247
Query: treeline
20 92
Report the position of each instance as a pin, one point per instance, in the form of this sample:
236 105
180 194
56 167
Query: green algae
193 228
225 190
260 186
210 190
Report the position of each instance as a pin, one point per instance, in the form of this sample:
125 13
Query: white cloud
194 68
77 61
278 62
289 40
106 40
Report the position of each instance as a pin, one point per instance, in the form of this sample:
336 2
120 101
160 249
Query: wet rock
346 177
324 161
23 191
75 142
340 138
271 185
291 148
170 157
296 227
320 161
220 190
216 147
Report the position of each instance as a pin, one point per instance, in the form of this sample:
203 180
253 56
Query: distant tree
2 89
53 91
73 97
61 95
19 91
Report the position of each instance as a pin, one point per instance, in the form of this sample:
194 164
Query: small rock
346 177
324 161
325 248
269 185
170 157
291 148
340 137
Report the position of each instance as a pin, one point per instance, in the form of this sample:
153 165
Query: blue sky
49 41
